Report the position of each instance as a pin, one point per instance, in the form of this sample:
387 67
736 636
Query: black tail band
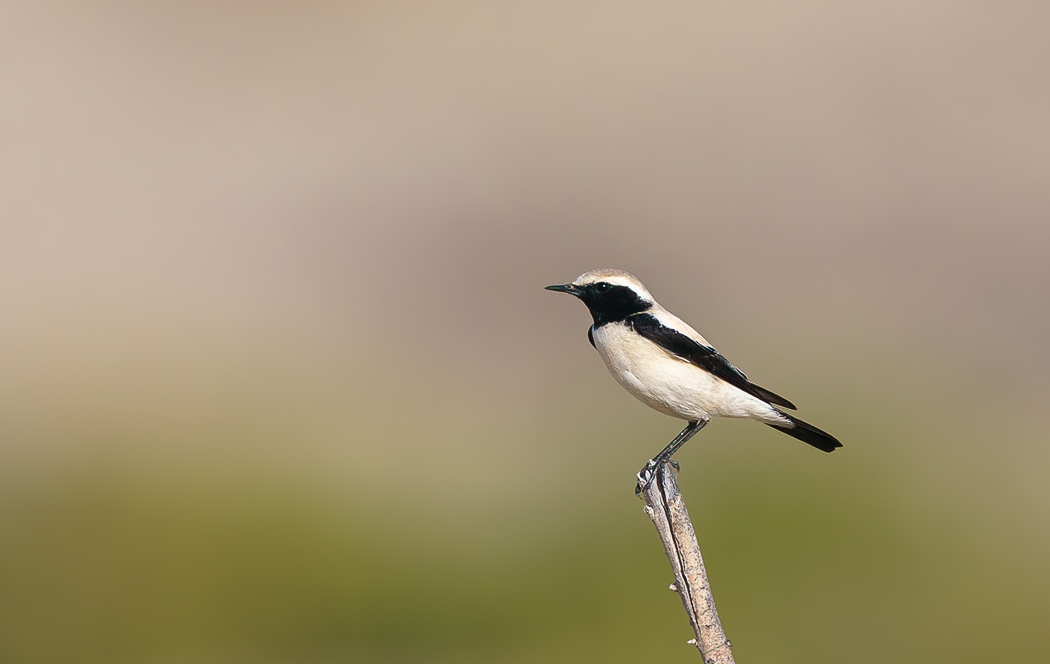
809 434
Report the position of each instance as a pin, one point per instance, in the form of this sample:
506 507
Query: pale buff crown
622 278
613 276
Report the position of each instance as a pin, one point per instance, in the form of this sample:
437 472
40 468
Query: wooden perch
665 506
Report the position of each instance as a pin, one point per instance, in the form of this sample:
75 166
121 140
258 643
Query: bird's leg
646 474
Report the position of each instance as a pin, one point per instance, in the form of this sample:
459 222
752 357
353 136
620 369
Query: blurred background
279 381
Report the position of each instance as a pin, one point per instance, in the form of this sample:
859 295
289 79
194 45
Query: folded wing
705 357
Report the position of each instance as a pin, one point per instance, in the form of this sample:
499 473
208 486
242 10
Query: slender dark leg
646 474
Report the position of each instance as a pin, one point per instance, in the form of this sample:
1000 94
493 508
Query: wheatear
668 366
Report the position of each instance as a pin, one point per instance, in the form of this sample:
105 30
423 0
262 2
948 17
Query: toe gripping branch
648 472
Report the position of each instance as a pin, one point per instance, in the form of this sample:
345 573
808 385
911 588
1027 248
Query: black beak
565 288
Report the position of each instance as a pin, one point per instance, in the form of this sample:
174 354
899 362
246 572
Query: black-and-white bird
668 366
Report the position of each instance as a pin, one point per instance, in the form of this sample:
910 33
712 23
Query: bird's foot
645 477
647 474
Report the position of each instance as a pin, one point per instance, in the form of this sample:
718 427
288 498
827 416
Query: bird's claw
646 476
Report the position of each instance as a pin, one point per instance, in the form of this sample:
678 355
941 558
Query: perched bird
668 366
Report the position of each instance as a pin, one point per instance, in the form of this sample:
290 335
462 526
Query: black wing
705 357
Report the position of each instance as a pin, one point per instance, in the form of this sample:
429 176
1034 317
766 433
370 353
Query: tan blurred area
279 381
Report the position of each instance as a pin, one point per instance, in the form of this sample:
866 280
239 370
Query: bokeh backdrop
279 381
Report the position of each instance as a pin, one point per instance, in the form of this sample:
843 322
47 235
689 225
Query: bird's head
610 295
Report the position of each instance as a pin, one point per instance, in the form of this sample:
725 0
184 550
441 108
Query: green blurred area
279 382
810 556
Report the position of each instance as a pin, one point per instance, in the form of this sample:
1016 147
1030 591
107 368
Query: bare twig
665 506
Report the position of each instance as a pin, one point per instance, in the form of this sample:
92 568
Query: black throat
611 303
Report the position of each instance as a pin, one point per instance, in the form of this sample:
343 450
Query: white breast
670 385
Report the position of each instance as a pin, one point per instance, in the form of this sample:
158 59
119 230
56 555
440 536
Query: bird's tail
807 433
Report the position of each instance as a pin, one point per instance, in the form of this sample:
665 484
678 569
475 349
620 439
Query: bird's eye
601 286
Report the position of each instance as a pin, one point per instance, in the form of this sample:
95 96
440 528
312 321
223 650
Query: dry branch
665 506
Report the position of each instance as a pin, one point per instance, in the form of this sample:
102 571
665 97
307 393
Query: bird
669 366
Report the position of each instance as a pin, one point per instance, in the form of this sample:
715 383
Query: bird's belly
667 384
